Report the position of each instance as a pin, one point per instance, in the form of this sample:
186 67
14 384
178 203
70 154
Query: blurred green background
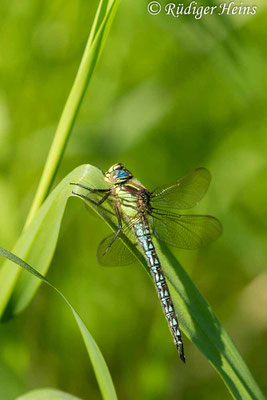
168 95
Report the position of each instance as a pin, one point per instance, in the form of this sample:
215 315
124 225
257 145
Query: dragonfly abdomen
144 238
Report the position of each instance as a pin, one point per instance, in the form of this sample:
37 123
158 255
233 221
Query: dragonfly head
117 174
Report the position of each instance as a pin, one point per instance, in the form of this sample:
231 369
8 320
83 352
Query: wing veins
193 232
184 193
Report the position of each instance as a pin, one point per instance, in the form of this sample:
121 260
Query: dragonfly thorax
132 198
117 173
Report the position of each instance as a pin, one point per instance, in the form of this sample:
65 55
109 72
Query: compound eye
121 174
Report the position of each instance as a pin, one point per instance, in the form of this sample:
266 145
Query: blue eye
121 174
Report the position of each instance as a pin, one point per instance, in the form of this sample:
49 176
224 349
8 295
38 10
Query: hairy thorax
132 198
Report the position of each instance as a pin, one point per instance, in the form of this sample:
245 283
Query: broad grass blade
37 243
202 327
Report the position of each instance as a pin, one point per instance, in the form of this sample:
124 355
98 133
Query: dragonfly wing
114 252
183 194
186 231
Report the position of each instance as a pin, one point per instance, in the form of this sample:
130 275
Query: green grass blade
101 25
100 367
47 394
198 321
37 243
202 327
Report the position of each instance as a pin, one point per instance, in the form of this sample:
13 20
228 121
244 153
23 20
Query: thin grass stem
101 24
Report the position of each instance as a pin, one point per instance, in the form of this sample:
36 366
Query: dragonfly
142 214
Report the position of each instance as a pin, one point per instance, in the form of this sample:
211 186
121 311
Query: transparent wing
186 231
112 253
183 194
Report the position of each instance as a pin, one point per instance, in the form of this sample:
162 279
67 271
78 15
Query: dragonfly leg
90 189
118 231
96 203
